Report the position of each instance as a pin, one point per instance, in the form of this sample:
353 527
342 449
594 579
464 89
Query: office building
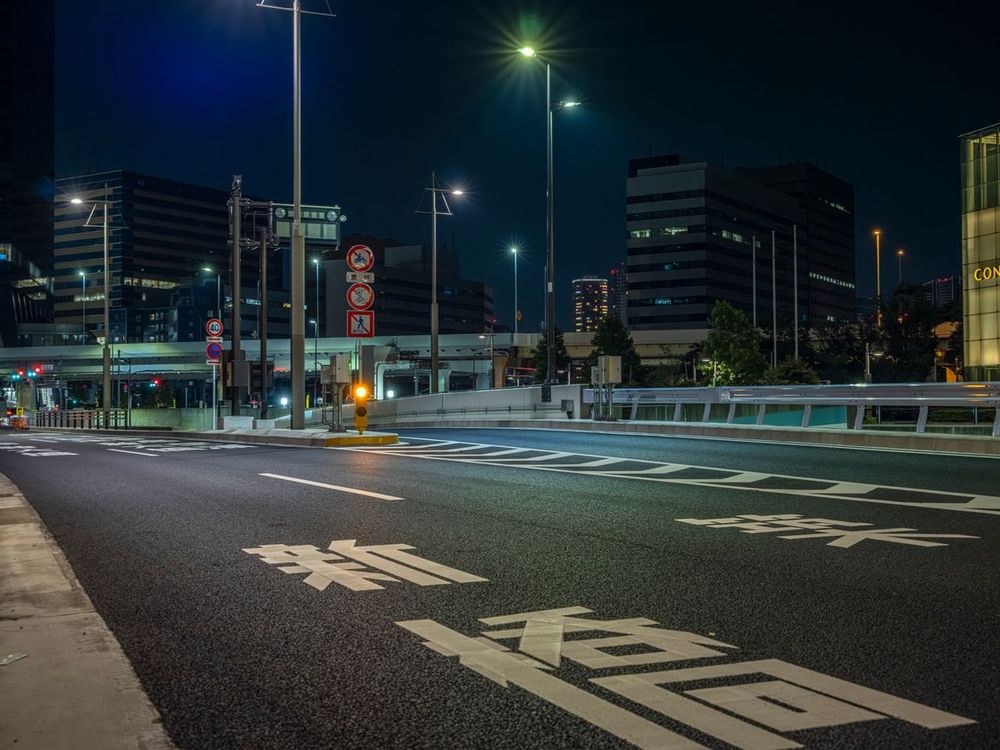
402 289
698 233
590 303
943 291
980 184
27 155
828 252
618 291
169 256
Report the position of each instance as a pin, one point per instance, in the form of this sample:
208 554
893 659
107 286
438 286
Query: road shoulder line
74 687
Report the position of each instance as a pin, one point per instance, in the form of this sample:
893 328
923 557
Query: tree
839 348
791 372
733 345
613 338
908 340
541 357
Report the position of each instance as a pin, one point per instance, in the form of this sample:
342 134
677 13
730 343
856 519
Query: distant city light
284 401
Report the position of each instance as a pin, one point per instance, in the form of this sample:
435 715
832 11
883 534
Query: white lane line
134 453
337 487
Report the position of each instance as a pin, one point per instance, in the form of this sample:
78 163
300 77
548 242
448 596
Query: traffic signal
360 409
154 382
37 369
17 375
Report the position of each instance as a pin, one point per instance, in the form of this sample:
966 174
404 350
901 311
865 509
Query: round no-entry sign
213 327
360 258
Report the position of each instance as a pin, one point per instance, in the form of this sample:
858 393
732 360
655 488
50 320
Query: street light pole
316 338
106 354
298 357
878 278
517 310
550 303
83 276
434 288
899 254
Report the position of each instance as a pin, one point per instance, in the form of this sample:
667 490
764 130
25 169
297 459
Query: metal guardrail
83 419
923 396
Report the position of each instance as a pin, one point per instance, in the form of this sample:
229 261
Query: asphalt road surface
537 589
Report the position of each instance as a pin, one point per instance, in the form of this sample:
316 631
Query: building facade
590 303
618 291
402 289
697 234
942 291
27 157
980 176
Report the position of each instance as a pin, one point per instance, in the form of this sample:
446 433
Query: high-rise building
828 253
27 156
980 181
697 233
590 303
942 291
618 291
169 258
402 289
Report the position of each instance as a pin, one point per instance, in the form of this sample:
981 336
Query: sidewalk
73 688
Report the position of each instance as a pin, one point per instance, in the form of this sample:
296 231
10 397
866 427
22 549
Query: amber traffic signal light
360 409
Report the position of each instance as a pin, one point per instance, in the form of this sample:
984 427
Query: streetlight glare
514 250
570 103
458 192
82 273
76 201
360 392
527 51
206 269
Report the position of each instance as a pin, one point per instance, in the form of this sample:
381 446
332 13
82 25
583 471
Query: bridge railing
83 419
674 404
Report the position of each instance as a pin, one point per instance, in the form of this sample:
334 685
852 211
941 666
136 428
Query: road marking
734 479
794 699
795 526
336 487
134 453
326 567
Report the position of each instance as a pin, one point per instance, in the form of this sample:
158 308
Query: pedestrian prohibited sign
213 327
360 258
360 323
360 296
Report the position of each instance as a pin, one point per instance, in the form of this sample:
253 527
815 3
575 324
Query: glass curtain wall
980 174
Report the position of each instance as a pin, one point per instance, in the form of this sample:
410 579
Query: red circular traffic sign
360 258
213 327
213 350
360 296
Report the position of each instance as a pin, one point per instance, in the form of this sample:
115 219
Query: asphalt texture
237 653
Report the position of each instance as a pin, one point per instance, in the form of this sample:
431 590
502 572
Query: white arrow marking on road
337 487
134 453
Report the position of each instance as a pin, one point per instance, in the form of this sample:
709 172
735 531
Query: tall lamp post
106 348
550 303
297 345
83 299
433 189
899 254
316 337
517 310
878 277
218 314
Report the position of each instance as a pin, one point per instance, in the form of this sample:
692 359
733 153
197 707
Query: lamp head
76 201
527 51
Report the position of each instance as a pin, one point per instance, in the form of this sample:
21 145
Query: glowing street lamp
517 310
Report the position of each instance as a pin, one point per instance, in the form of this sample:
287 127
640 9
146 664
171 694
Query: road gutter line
337 487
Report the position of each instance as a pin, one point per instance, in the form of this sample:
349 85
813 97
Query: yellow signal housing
361 408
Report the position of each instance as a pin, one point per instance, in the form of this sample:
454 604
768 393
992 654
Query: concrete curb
75 688
907 441
299 438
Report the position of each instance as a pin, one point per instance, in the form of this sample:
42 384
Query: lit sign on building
986 273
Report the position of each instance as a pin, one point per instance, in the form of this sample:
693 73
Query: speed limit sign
213 327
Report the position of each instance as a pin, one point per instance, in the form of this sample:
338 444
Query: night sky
197 90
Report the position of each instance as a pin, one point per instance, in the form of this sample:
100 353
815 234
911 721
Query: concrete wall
509 403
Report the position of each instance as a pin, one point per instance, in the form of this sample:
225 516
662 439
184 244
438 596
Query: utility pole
774 304
263 318
753 244
236 283
795 284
